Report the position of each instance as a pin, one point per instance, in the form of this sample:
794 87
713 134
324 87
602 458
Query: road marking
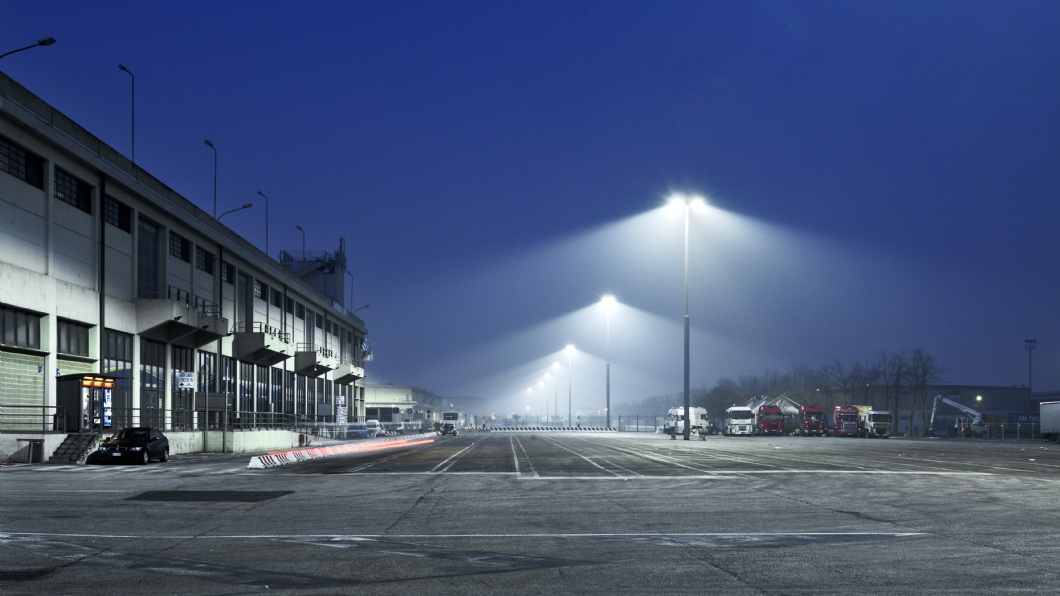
7 536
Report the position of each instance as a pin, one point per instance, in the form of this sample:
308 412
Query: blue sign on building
1023 417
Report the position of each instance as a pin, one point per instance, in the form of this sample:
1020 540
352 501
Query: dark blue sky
888 171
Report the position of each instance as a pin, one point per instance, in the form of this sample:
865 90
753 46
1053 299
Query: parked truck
845 421
873 423
1049 416
769 420
699 423
810 422
739 420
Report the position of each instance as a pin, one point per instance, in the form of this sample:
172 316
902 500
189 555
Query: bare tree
865 376
841 378
892 369
924 370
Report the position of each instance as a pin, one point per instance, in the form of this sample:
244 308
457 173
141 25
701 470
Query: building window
117 214
207 382
203 260
289 306
19 328
179 247
69 189
299 310
117 361
276 298
227 272
21 164
260 289
73 338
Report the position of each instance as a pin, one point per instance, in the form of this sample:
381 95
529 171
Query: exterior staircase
75 449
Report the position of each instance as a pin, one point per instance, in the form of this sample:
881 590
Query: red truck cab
845 421
811 421
769 420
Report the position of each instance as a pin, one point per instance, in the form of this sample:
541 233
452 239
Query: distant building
402 403
105 270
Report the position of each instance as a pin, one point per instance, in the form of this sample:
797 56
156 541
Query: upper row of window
29 168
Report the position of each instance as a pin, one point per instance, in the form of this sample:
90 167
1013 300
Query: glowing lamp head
679 201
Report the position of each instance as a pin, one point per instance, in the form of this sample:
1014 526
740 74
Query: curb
273 459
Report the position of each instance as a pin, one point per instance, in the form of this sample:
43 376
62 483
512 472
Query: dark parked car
448 429
136 445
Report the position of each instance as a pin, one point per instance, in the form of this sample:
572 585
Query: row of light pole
686 203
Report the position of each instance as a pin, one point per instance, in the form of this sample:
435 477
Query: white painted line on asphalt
351 537
515 440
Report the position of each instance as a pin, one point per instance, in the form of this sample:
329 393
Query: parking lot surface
550 512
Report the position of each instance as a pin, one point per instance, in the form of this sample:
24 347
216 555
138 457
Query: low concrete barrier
290 456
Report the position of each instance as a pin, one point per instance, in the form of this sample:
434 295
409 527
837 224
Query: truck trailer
1049 415
699 423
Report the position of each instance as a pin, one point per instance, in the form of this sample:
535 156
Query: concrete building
122 303
401 403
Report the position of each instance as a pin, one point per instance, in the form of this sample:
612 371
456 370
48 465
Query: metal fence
640 423
32 418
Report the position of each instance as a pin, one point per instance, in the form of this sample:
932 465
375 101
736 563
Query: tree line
895 381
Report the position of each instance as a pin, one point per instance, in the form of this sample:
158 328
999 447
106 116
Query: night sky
881 175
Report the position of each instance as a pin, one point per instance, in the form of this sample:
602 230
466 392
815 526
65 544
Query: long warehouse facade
124 304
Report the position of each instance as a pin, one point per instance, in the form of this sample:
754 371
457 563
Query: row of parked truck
811 421
768 419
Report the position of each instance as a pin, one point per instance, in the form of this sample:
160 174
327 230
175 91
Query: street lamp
570 383
219 375
44 41
686 203
210 145
240 208
299 228
266 221
361 308
122 67
609 303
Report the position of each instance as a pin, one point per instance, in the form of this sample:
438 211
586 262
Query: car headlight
102 448
136 449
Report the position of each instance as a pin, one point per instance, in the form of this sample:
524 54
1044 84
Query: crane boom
977 416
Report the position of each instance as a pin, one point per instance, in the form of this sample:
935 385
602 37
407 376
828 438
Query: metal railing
188 299
284 336
32 418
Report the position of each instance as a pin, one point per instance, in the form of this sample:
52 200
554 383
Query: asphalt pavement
548 513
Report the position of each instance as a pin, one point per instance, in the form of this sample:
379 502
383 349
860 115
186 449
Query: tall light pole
609 303
44 41
686 203
570 383
299 228
545 395
555 388
122 67
219 372
266 221
210 145
1030 344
